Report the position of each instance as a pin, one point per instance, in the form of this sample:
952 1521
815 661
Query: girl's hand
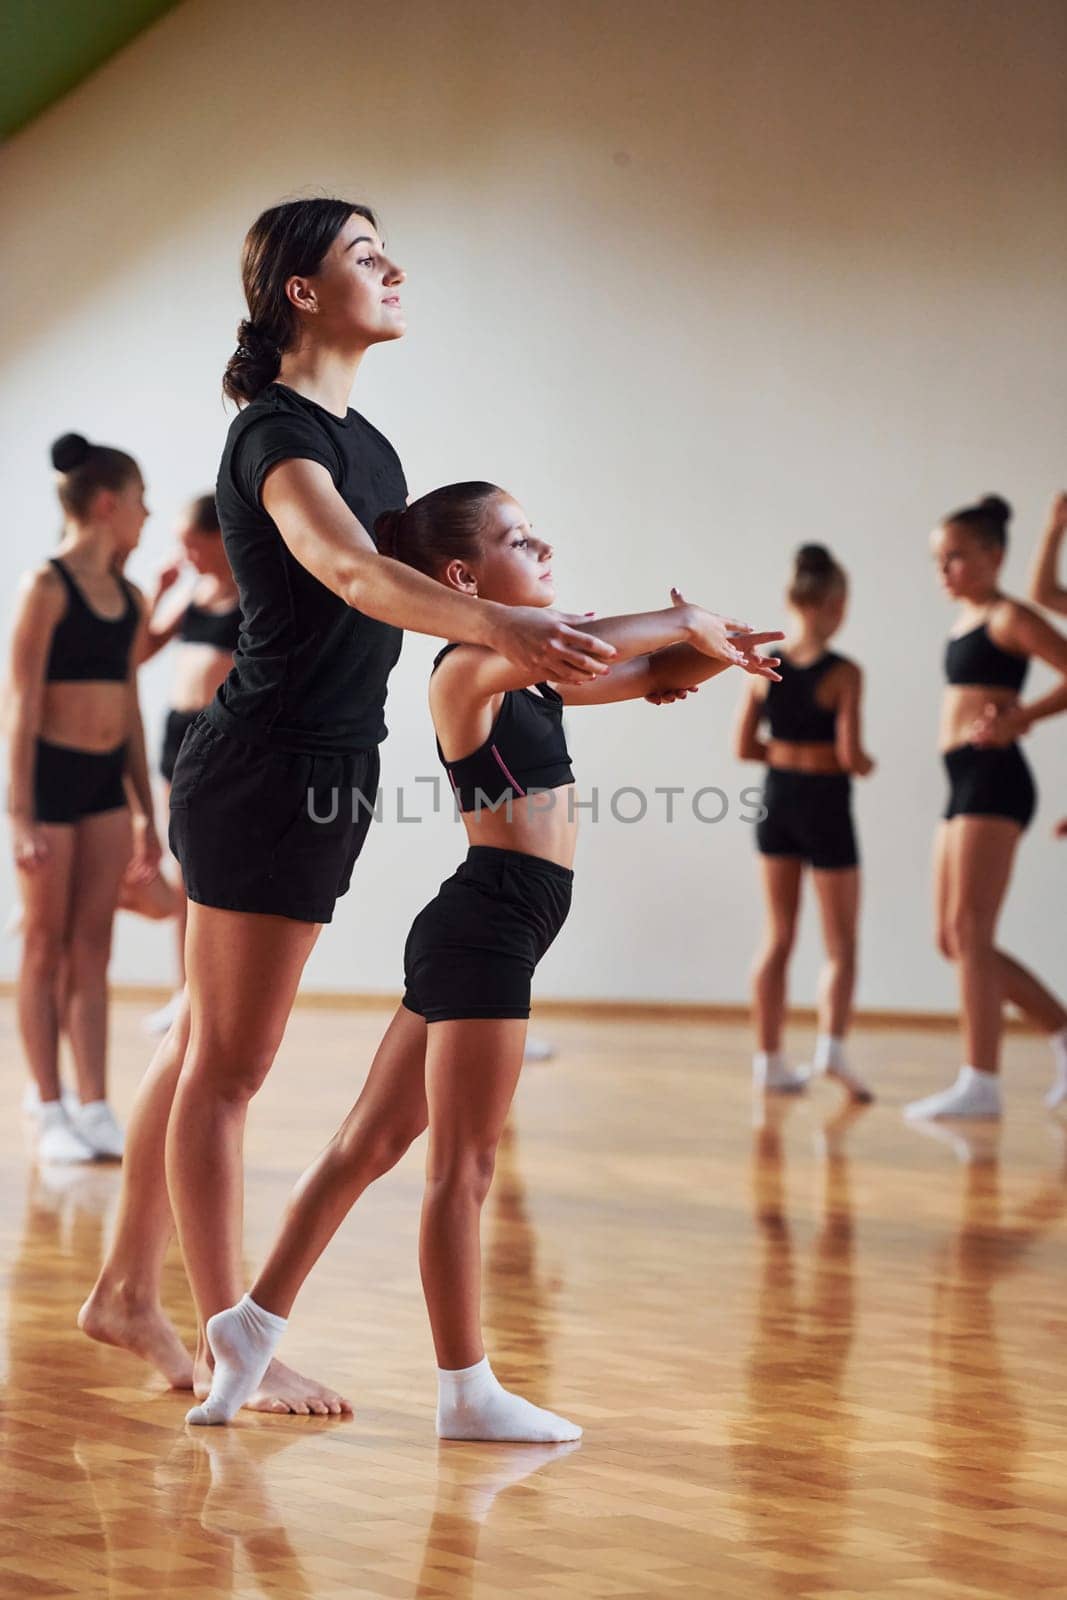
543 643
726 639
168 576
30 845
147 852
999 726
864 766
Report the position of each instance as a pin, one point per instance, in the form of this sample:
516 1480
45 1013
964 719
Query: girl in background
991 802
206 620
813 747
452 1054
77 751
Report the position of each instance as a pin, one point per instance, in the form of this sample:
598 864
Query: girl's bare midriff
961 707
200 669
85 716
544 825
790 755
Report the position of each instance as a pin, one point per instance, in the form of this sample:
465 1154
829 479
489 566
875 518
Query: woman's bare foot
112 1316
283 1392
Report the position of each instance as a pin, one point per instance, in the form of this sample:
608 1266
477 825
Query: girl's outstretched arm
655 651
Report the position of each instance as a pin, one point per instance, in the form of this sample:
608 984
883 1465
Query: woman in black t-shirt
302 480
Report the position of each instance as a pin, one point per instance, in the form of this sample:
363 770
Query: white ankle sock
974 1094
771 1073
243 1340
830 1060
471 1404
1057 1095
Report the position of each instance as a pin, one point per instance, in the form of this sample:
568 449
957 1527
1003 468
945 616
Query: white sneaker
161 1021
538 1049
57 1141
31 1100
95 1124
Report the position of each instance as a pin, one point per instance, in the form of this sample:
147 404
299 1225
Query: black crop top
974 659
310 672
794 714
526 749
88 648
217 628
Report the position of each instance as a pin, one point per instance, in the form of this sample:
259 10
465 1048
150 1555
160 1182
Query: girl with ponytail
812 749
77 767
451 1057
991 800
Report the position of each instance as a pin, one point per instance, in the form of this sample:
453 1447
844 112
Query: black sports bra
218 628
974 659
794 714
88 648
526 749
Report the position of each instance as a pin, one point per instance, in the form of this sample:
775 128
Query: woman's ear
459 576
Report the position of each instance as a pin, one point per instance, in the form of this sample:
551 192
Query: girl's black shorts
264 830
990 782
472 951
71 784
178 724
809 815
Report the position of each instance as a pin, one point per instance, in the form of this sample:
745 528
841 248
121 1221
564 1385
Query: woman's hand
29 844
999 726
667 697
147 852
544 643
726 639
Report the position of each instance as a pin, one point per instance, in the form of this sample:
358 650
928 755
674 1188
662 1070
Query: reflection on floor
817 1353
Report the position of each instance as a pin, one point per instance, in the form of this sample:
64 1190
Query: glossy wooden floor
813 1358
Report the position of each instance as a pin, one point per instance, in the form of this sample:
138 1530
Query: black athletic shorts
472 951
178 722
990 782
809 815
265 830
71 784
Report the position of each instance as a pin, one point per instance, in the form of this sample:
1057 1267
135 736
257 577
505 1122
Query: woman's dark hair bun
994 505
387 532
69 451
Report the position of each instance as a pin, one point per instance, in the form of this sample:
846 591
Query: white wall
695 281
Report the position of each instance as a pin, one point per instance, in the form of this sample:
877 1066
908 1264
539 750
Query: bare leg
839 898
243 976
472 1068
388 1116
781 888
46 908
124 1306
1029 995
984 859
102 846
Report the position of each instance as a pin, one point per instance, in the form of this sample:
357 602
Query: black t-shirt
309 672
